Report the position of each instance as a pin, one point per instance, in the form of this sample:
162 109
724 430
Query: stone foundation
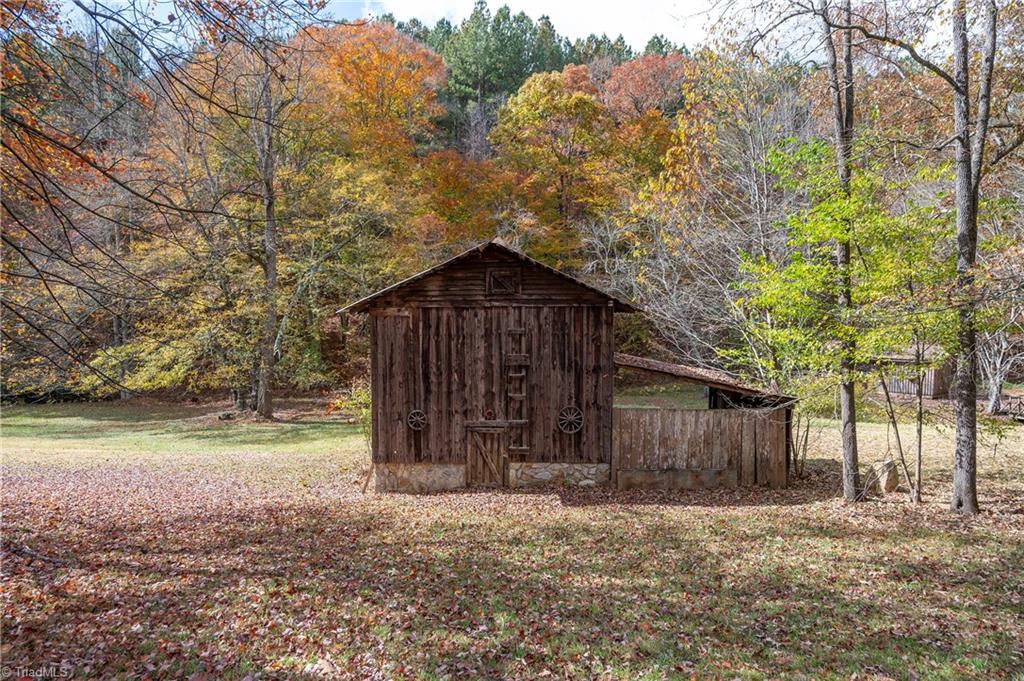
582 474
418 477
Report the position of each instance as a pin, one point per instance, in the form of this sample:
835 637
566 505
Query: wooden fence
699 449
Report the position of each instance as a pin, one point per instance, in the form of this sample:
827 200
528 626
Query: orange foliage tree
381 85
463 200
649 83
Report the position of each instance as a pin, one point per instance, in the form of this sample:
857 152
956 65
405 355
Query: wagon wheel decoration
570 419
417 420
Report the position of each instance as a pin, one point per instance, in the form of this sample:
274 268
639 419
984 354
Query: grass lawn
156 541
666 396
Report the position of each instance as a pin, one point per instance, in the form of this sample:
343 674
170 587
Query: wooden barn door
486 457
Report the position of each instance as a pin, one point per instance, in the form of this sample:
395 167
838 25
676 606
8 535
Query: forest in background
188 199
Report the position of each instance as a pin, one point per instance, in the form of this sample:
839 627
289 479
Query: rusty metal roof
362 304
708 377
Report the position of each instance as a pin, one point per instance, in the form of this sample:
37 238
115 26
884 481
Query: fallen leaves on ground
206 566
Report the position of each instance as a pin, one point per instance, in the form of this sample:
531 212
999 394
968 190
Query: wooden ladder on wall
517 366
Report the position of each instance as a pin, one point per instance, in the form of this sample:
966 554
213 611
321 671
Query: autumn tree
556 133
351 111
131 60
464 201
72 113
648 83
680 252
379 87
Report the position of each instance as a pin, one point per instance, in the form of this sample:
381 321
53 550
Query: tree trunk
843 119
965 484
848 418
995 393
965 494
264 398
117 322
915 495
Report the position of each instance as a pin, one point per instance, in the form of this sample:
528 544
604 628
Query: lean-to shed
725 434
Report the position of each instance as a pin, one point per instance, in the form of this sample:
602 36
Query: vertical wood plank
683 457
731 434
717 423
666 438
617 419
709 439
607 374
764 444
679 447
549 385
748 468
696 441
778 453
375 394
629 441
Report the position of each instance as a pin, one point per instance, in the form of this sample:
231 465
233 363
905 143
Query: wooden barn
493 369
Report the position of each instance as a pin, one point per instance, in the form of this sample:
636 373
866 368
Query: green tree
470 55
596 47
797 331
513 37
440 35
550 50
662 46
491 56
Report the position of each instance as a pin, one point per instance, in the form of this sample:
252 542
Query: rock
886 478
588 483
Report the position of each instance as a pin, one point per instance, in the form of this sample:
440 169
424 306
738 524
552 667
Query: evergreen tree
594 47
550 50
660 45
470 55
415 29
439 35
513 38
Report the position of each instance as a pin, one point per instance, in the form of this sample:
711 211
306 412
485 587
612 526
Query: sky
681 21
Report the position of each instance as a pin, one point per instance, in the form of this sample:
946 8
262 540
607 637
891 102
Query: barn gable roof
708 377
498 245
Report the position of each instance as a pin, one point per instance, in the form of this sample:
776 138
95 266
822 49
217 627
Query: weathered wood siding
466 284
468 358
718 447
